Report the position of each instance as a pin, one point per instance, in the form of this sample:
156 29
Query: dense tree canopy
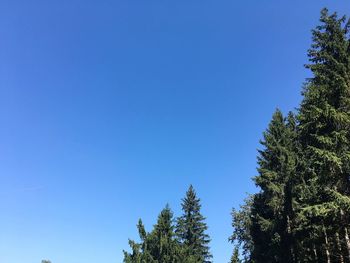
301 212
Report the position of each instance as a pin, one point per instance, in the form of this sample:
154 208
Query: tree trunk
290 238
341 258
346 233
315 253
347 240
286 251
328 255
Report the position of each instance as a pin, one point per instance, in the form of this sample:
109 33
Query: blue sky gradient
110 109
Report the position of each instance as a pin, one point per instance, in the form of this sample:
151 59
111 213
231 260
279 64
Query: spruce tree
235 256
191 229
272 207
324 134
158 246
140 251
163 245
301 213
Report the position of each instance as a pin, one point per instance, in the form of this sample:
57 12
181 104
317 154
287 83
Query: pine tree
272 208
301 213
163 246
140 252
158 246
191 229
325 138
235 256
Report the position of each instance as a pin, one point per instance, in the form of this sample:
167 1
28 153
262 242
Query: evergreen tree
158 246
241 223
301 213
140 252
272 208
163 245
324 134
191 229
235 256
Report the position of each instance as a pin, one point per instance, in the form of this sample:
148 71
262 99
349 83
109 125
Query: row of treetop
301 212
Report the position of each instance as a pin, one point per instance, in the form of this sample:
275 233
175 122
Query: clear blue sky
110 109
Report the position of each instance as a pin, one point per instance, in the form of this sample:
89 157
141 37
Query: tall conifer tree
272 208
158 246
324 118
235 256
191 228
302 212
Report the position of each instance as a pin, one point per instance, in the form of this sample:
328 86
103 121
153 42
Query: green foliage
324 129
272 208
191 228
156 246
241 223
301 213
235 256
301 210
162 245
